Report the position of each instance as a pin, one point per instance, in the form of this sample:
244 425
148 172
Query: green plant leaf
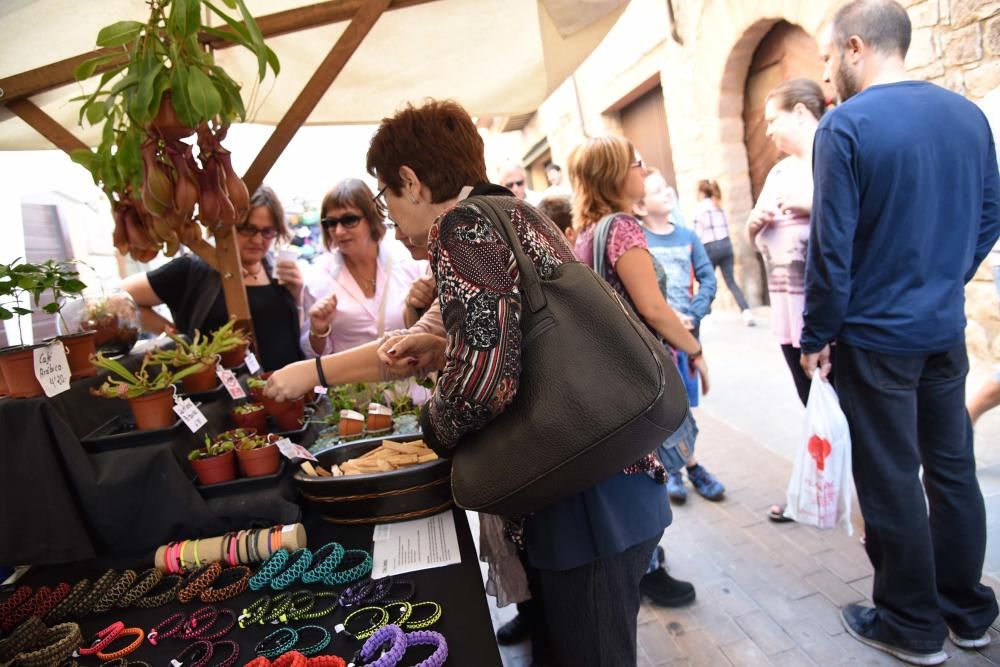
84 157
52 308
119 33
143 99
22 311
229 3
193 17
85 70
205 99
95 113
179 95
272 60
73 286
229 36
256 37
5 314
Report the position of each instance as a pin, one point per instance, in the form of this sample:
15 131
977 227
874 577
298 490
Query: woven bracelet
430 638
325 561
198 581
274 565
24 637
140 635
218 590
379 620
161 594
297 563
310 614
146 582
57 644
97 591
44 606
62 610
390 634
115 592
361 561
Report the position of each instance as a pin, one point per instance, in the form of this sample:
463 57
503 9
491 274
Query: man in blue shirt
906 206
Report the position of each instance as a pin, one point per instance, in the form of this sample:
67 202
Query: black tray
119 433
294 433
205 396
242 484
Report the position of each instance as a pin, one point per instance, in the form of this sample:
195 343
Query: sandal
777 514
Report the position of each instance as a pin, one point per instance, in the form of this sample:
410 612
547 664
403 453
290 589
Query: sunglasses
349 221
249 231
511 184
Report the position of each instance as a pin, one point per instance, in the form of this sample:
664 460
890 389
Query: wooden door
644 123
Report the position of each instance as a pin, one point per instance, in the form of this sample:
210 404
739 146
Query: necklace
253 274
366 285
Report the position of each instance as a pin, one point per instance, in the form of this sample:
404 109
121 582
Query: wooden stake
44 124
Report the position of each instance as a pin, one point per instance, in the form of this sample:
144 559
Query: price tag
230 382
293 451
190 414
320 391
252 364
52 368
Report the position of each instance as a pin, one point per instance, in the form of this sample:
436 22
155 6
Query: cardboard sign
52 368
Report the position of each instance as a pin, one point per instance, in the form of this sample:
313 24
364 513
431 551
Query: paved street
768 594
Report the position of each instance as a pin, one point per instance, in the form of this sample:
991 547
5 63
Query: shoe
748 318
513 631
969 642
777 514
860 623
661 556
675 487
705 483
664 590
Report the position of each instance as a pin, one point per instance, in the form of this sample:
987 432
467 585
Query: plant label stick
52 368
230 382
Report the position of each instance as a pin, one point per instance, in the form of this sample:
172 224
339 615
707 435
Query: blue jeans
674 454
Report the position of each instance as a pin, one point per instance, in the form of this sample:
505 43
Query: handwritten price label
190 414
230 382
52 368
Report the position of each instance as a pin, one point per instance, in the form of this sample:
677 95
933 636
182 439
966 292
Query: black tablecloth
465 621
61 503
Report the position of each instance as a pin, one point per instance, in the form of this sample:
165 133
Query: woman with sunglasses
358 288
192 290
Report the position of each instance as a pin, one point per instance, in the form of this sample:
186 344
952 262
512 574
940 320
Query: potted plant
231 344
17 362
60 279
151 397
113 316
215 462
250 415
201 353
255 387
168 87
288 415
258 455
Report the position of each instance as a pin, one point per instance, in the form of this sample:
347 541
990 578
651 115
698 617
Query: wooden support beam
60 73
314 90
29 112
225 259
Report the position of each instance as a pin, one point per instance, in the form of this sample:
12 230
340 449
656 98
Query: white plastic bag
819 492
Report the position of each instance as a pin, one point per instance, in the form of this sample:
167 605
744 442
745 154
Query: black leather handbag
597 392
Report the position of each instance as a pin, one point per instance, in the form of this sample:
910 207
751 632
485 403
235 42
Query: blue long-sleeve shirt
906 205
685 262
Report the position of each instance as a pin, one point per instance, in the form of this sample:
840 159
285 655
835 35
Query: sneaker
675 487
860 623
705 483
514 631
969 642
748 318
664 590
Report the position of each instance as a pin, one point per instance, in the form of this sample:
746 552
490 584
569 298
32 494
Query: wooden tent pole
314 90
44 124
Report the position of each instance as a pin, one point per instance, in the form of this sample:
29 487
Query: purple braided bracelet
392 634
440 654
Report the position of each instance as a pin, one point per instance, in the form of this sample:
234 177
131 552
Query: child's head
710 190
558 209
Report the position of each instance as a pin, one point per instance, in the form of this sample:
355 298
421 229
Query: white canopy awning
495 57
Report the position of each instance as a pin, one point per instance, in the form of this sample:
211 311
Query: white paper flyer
415 545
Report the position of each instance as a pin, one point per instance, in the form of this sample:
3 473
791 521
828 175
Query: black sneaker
861 623
664 590
514 631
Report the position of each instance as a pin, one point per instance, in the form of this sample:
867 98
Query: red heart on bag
819 449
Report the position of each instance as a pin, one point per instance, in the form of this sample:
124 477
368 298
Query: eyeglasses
249 231
638 163
349 221
510 185
379 198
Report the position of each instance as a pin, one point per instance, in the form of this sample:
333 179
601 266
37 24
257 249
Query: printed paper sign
293 451
230 382
190 414
52 368
252 364
415 545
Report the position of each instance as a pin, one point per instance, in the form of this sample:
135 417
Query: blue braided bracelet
274 564
359 570
297 563
326 560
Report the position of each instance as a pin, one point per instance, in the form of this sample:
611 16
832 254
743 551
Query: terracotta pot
203 380
259 462
257 395
221 468
18 367
167 124
290 419
256 420
234 358
351 423
79 347
379 418
3 385
153 411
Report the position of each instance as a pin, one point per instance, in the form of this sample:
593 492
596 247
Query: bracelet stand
293 536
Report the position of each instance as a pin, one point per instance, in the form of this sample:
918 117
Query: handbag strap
530 282
601 232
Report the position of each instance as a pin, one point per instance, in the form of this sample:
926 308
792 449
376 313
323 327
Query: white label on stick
320 390
252 364
52 368
230 382
190 414
293 451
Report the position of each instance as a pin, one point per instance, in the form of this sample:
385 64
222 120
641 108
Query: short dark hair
438 141
799 91
354 193
265 197
552 166
558 209
881 24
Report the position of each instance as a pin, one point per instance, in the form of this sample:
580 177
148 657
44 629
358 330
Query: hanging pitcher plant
168 90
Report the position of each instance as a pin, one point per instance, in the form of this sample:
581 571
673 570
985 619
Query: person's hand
323 313
292 381
758 220
820 360
700 366
288 274
404 354
794 205
422 293
687 321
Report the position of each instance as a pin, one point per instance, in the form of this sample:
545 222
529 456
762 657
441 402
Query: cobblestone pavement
768 594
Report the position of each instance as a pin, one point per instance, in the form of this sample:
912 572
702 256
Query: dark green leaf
144 94
84 157
73 286
161 86
178 18
256 37
86 69
22 311
179 96
272 60
5 314
119 33
230 3
240 28
95 113
229 36
127 81
51 308
205 99
193 17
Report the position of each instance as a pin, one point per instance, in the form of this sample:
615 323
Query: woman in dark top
193 291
